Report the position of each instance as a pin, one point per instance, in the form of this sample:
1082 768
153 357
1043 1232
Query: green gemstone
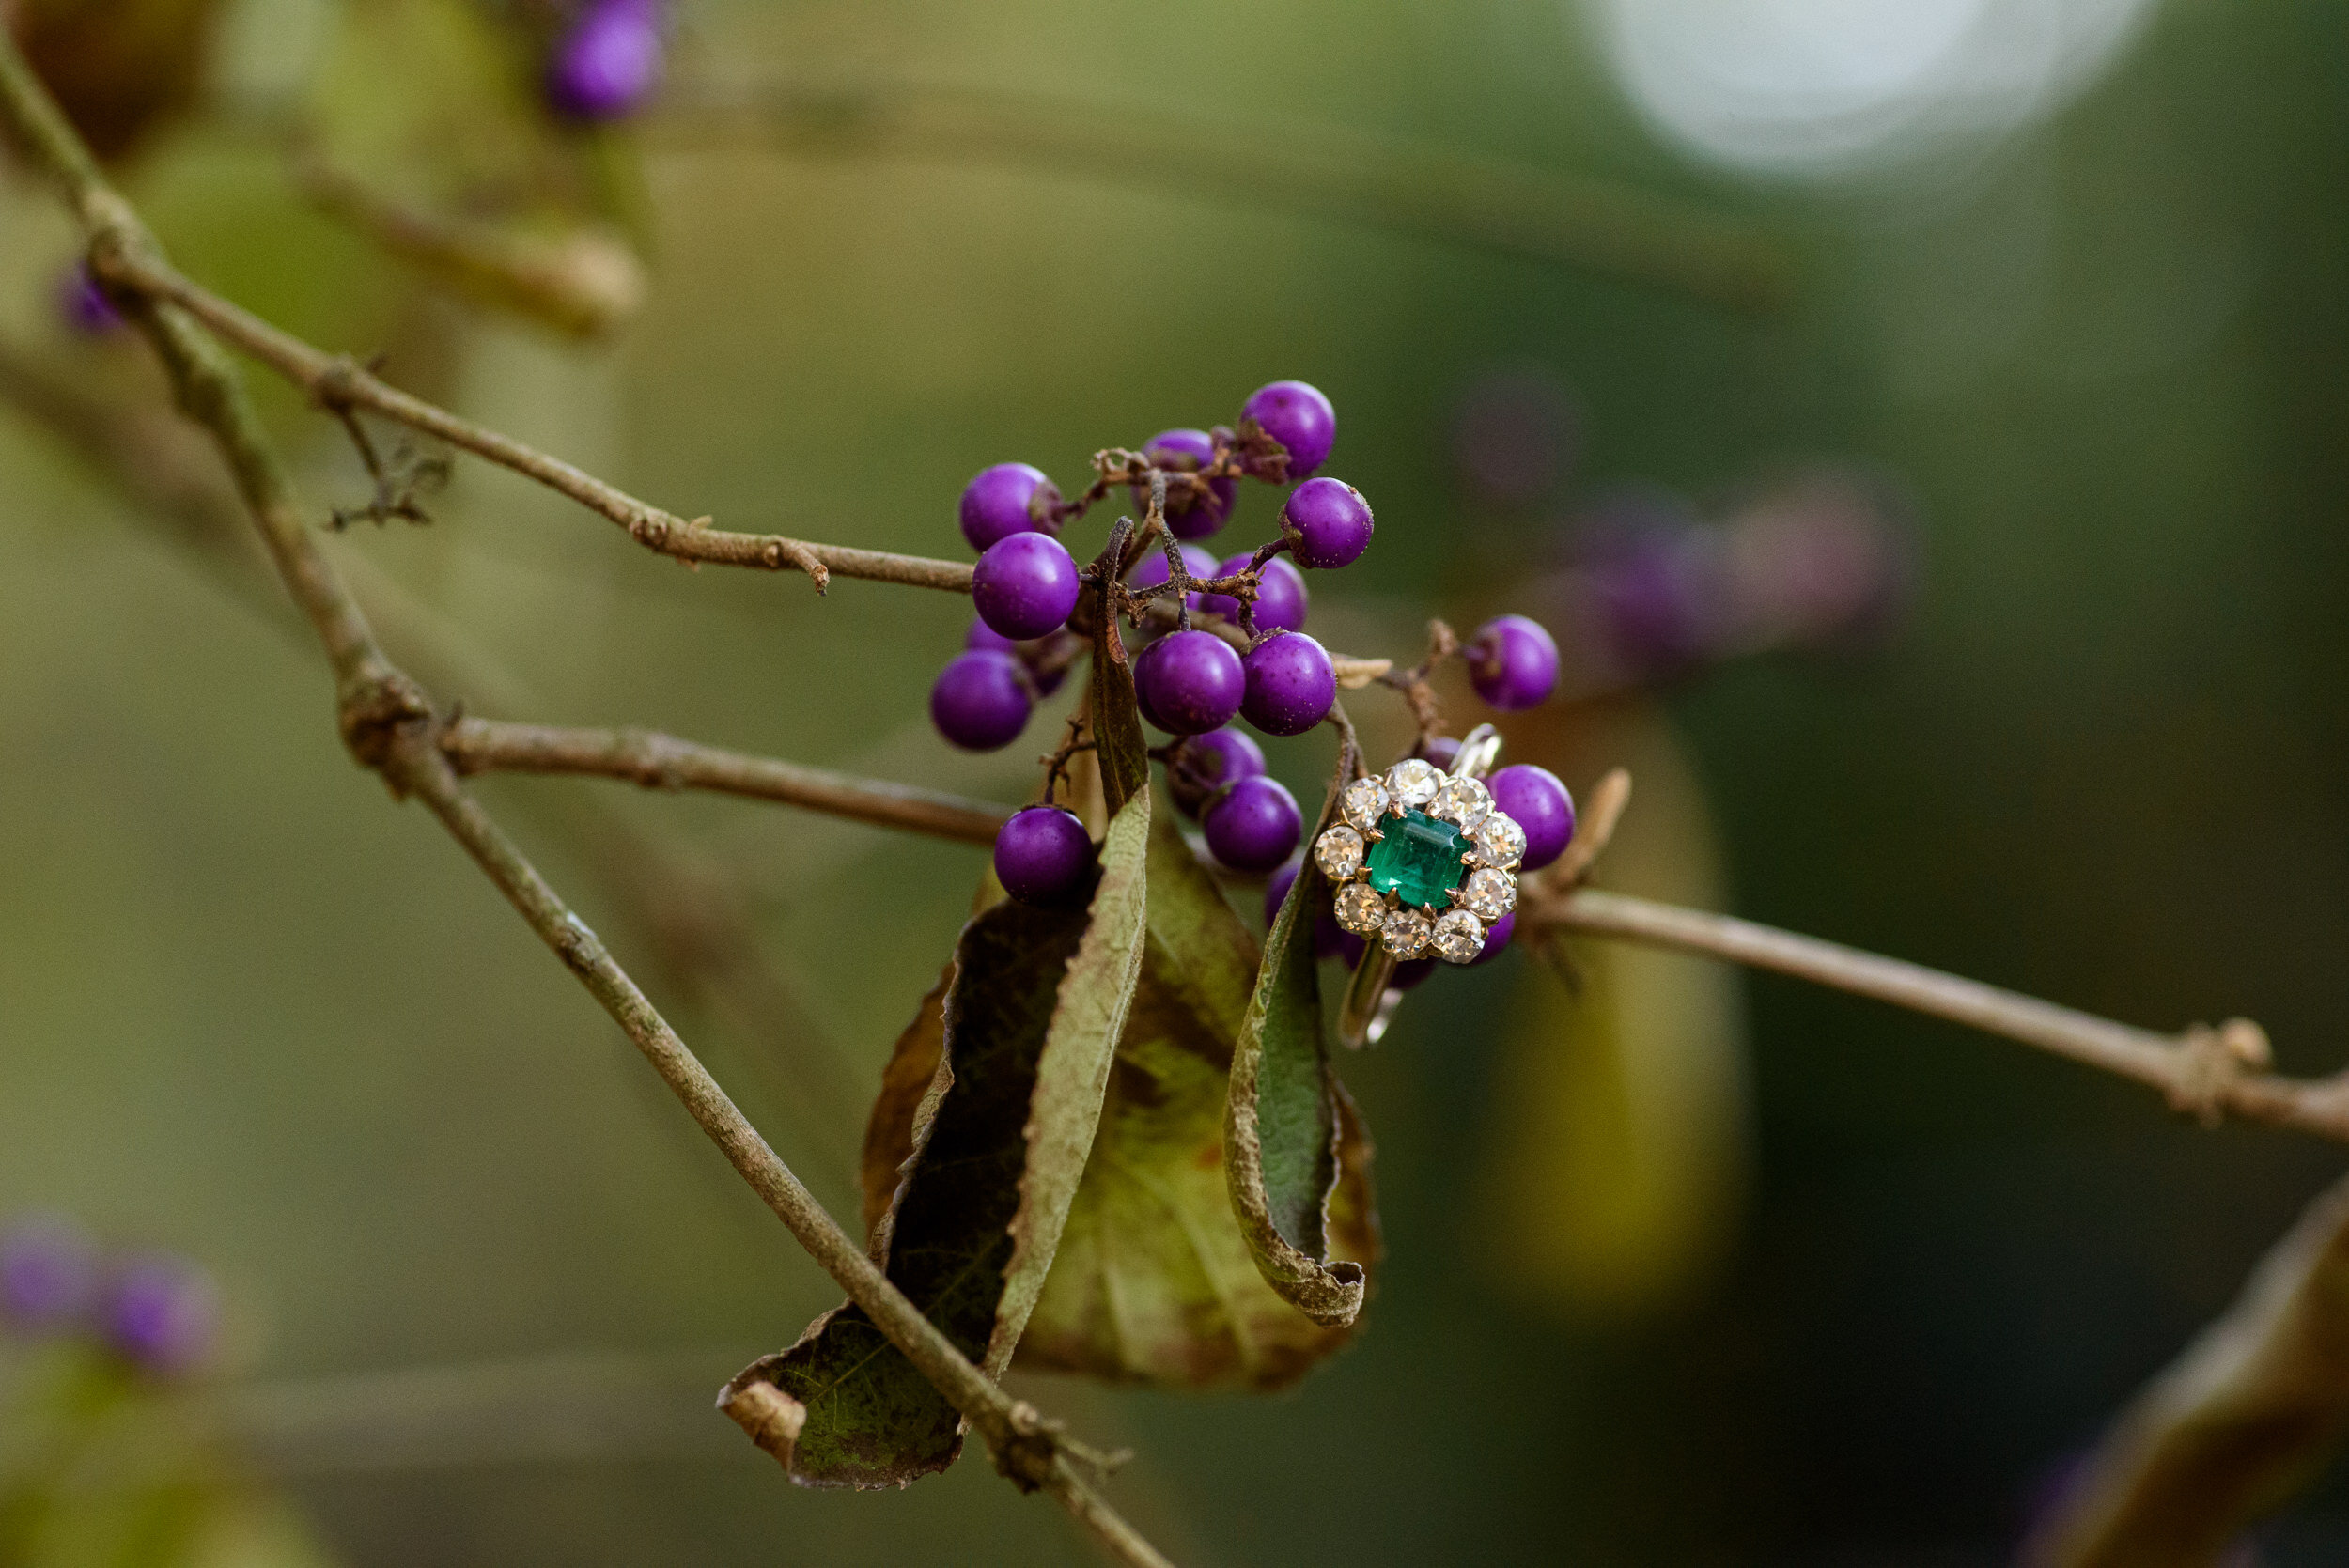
1418 859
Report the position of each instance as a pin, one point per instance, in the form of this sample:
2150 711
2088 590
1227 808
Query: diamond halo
1421 861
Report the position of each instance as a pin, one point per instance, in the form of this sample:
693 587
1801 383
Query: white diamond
1412 782
1460 937
1499 841
1365 803
1338 853
1462 800
1489 894
1360 911
1406 932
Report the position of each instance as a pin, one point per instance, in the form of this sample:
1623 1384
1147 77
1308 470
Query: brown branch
389 725
2243 1419
2205 1071
336 382
659 761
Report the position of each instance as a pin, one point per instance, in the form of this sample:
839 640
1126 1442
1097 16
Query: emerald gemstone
1418 859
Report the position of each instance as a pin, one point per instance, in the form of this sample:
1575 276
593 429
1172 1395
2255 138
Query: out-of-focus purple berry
1513 437
83 305
48 1274
610 59
1660 601
1513 662
1007 499
1042 855
1442 750
1151 570
981 700
1497 937
1818 560
1291 684
1326 523
161 1312
1025 585
984 638
1541 805
1329 936
1280 595
1299 418
1191 682
1253 825
1188 452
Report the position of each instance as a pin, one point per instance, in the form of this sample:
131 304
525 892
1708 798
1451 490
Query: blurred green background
2095 329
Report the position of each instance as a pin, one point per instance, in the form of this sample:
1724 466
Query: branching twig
2203 1071
389 725
659 761
338 382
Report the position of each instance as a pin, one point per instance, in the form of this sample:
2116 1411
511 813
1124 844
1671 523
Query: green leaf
1280 1124
1154 1281
987 1145
1072 1075
2234 1429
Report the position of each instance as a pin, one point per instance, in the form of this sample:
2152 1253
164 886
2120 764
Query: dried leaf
1154 1281
989 1156
911 1084
2238 1425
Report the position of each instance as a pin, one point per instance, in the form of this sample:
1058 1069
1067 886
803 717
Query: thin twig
338 382
2203 1071
659 761
388 724
1293 166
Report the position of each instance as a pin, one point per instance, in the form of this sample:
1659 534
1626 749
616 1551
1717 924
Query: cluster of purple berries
608 60
157 1312
1189 682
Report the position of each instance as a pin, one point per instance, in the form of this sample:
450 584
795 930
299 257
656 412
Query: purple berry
1025 585
1513 662
1200 765
1326 523
1007 499
1151 570
83 305
1189 682
1188 452
1299 418
1232 754
159 1313
1280 595
610 59
981 700
1541 806
1412 974
1497 937
1329 936
48 1274
1253 825
1042 855
1291 684
1442 750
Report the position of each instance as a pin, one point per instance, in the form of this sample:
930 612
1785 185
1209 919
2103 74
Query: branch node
372 710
